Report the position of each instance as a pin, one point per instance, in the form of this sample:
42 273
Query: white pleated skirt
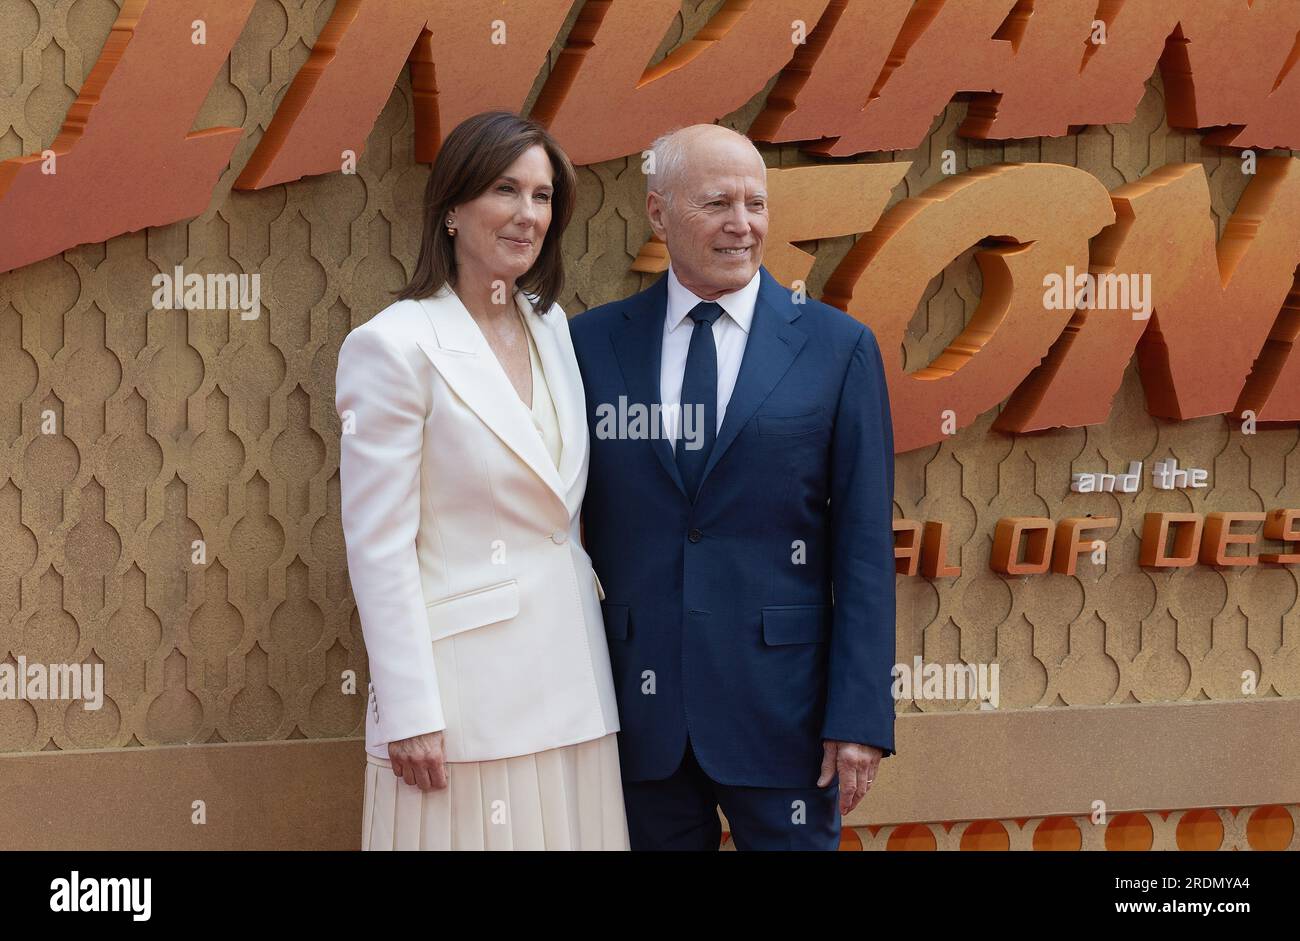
568 798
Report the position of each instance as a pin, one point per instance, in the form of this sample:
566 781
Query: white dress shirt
730 333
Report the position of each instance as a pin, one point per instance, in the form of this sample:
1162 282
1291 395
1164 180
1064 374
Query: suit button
558 537
695 535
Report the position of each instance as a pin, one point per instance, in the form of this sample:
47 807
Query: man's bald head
707 200
674 151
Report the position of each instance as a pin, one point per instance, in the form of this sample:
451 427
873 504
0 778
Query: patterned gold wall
174 426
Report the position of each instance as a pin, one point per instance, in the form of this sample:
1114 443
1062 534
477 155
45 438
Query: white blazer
479 605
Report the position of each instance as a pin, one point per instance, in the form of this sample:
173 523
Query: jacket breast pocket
474 608
796 624
789 425
616 617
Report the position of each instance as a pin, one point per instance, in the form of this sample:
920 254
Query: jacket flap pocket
616 619
796 624
790 424
475 608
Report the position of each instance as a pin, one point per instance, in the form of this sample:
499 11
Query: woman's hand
420 761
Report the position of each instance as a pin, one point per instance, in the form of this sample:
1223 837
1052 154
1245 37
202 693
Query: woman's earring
451 229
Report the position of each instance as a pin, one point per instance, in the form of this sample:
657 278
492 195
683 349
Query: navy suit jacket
761 617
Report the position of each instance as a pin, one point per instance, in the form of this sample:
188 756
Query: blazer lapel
462 356
639 348
565 385
771 347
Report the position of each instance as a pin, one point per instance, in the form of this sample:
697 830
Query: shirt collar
738 305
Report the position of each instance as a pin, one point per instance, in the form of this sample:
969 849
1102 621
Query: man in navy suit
739 515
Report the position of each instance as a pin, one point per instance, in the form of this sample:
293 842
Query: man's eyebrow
723 194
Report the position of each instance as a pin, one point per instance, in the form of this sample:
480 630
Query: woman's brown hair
474 155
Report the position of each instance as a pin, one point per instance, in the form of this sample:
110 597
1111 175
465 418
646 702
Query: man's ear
655 206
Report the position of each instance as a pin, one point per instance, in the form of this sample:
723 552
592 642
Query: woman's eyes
507 188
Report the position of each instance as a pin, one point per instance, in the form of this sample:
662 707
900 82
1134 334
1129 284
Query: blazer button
559 537
695 535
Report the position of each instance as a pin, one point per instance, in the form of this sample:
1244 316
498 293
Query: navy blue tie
700 396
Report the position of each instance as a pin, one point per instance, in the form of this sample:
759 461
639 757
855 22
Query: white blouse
543 410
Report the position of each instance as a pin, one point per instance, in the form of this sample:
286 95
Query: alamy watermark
1087 291
918 680
102 894
212 291
637 421
53 681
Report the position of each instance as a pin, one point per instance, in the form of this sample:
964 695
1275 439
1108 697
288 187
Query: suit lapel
771 347
639 349
565 385
462 356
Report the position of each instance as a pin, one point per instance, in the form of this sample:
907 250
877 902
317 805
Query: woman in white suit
492 720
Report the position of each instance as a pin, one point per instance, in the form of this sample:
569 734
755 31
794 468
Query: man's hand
420 761
856 765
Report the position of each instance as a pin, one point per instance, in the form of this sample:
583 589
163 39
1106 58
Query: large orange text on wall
851 76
